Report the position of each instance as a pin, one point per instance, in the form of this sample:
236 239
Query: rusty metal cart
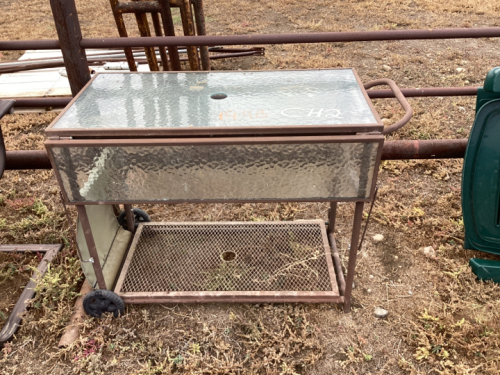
202 137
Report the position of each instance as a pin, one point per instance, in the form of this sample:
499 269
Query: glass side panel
183 100
217 172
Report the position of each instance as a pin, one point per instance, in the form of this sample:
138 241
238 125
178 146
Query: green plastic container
481 180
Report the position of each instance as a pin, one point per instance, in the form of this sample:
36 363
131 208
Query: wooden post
70 35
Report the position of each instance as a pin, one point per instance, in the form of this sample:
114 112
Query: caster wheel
140 216
98 302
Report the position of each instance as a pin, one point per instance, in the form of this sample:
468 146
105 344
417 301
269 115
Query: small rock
460 70
371 276
380 313
396 257
378 238
387 68
369 291
429 252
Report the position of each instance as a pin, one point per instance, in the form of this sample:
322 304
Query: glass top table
219 103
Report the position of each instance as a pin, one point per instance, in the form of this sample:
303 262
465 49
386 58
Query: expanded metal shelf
229 262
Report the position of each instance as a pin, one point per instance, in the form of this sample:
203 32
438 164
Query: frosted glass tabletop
125 101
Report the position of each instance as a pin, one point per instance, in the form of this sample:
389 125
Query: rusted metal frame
89 238
143 25
6 106
188 27
163 53
401 99
337 263
122 31
199 18
120 279
353 253
130 217
168 26
250 131
70 222
70 36
289 139
230 297
206 201
368 219
33 248
14 318
329 262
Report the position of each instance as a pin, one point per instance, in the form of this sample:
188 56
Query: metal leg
187 24
130 217
199 18
142 23
158 32
332 215
353 253
89 238
122 31
168 25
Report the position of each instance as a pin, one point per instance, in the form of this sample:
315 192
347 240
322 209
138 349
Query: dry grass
441 319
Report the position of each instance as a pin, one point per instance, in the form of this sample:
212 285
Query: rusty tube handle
6 106
401 99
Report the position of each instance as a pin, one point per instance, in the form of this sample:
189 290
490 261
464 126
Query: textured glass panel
182 100
217 172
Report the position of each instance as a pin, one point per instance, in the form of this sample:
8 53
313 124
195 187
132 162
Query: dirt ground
441 319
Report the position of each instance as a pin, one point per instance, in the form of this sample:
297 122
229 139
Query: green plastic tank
481 180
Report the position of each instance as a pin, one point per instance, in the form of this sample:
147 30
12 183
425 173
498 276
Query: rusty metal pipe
393 150
426 91
41 102
429 149
100 61
138 7
32 159
348 36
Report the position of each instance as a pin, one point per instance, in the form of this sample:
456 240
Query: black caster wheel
140 216
98 302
